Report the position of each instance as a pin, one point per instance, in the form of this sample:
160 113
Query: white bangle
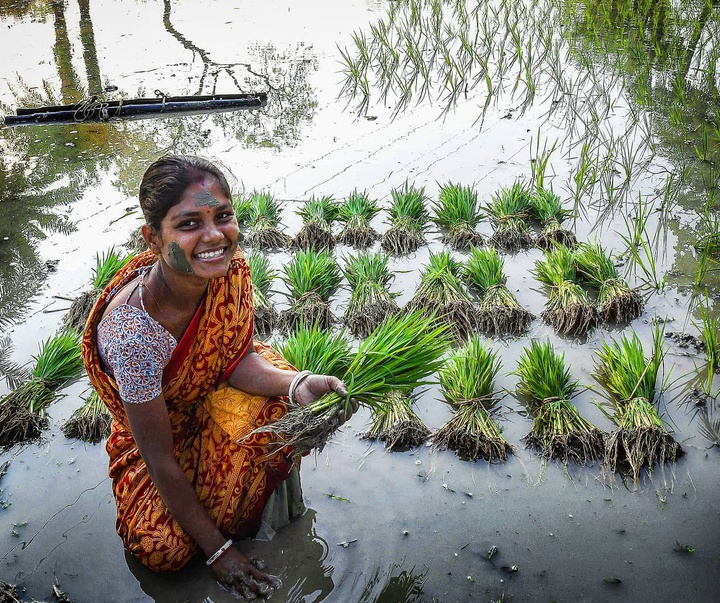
217 554
293 385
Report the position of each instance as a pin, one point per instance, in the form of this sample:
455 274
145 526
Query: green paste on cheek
178 260
205 198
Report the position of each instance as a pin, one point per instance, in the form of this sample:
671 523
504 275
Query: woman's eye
187 224
225 215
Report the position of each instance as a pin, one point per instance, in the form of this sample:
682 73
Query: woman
169 348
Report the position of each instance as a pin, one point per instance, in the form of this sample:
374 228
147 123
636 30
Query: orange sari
208 417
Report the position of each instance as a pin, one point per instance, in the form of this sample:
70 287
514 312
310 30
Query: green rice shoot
568 309
641 439
499 312
262 276
408 220
509 210
709 327
547 208
355 214
323 352
311 277
397 424
370 299
264 222
318 215
616 301
242 210
467 382
457 213
90 422
442 293
559 431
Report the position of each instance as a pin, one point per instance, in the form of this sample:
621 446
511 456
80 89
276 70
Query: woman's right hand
237 572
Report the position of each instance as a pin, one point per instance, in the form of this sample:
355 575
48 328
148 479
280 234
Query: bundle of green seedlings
500 313
408 220
262 276
241 208
264 223
568 309
468 383
312 277
23 410
107 266
616 301
91 422
396 423
310 348
355 214
546 207
370 300
509 211
441 293
558 432
318 215
399 355
457 213
641 439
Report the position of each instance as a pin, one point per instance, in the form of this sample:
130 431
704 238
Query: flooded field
615 106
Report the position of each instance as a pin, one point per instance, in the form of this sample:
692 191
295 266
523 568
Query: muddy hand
237 572
344 410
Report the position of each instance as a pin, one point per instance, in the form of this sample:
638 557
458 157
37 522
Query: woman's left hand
314 387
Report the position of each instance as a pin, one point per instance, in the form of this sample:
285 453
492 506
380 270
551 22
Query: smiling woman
169 348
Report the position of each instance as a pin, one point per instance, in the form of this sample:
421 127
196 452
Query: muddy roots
463 240
557 235
400 241
314 236
358 236
310 309
79 311
580 446
511 236
461 315
364 322
575 319
640 447
500 313
90 427
268 238
471 444
405 435
301 430
266 317
19 425
624 305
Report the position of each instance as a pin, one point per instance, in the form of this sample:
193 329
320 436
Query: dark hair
166 180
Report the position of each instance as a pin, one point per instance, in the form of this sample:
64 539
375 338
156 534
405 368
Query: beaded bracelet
293 385
217 554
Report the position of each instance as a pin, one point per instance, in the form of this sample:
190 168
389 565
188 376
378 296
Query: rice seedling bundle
559 431
22 411
107 266
499 313
310 348
458 213
264 220
318 215
311 277
441 293
91 422
399 355
568 308
468 383
355 214
241 208
547 208
640 439
509 210
262 276
370 300
408 220
396 423
616 301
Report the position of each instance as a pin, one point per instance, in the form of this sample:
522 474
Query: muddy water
413 526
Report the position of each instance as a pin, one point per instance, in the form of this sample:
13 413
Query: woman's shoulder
126 322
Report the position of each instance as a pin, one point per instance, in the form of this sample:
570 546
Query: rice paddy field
543 175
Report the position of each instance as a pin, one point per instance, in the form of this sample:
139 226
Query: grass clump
107 265
559 431
264 222
616 301
355 214
547 208
242 210
408 220
709 327
370 300
441 293
318 215
458 213
640 439
509 210
312 277
23 410
468 383
399 355
310 348
262 276
568 308
396 423
91 422
500 313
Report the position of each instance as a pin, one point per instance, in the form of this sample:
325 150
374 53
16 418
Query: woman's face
199 235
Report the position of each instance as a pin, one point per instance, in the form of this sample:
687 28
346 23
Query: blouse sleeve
136 349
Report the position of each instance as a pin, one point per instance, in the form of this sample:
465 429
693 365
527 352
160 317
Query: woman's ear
152 238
